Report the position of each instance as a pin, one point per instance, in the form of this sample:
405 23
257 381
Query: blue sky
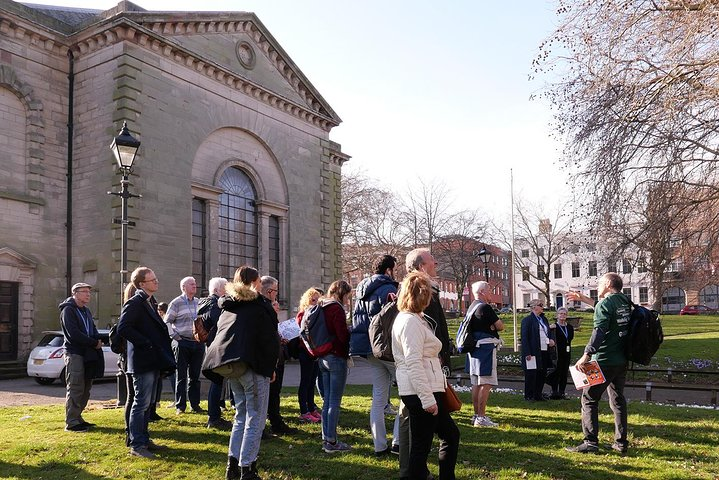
430 89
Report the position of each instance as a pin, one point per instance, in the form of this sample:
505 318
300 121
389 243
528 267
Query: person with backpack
309 368
484 326
333 364
372 294
245 350
209 311
607 346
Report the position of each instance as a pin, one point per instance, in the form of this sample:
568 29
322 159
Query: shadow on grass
50 470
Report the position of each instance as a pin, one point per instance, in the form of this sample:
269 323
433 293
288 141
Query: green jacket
611 315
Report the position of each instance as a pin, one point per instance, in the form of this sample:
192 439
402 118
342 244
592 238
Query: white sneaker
484 422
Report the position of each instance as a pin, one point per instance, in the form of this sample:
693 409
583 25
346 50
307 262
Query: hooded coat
372 294
246 332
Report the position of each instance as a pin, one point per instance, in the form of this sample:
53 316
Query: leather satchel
199 331
451 400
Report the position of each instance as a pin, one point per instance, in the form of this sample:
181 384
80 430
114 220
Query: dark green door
8 320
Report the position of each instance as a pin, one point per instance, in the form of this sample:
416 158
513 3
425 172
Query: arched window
709 296
238 222
673 299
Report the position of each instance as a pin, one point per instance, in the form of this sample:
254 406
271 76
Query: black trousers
273 407
615 378
534 383
423 426
559 382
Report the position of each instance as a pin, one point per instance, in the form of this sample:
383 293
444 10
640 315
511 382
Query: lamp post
484 255
125 147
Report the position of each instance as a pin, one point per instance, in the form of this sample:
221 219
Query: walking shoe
80 427
618 447
389 409
154 417
308 418
233 469
198 409
395 449
88 424
335 447
484 421
584 447
141 452
384 452
179 411
247 473
317 414
282 429
220 424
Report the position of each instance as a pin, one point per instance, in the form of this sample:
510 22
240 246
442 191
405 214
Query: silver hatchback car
47 362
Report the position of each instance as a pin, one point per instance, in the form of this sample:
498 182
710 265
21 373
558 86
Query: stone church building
235 167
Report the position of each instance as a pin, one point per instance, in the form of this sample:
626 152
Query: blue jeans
188 355
309 371
145 387
333 371
251 392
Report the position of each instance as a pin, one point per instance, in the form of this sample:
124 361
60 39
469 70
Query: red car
696 310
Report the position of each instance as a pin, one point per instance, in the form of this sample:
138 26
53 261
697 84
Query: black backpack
118 344
465 341
313 330
380 331
645 334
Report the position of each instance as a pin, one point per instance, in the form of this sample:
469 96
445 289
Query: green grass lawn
666 443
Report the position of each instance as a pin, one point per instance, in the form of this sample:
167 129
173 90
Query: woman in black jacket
245 350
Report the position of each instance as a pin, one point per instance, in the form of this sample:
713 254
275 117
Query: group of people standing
244 349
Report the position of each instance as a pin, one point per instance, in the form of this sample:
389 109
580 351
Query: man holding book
607 347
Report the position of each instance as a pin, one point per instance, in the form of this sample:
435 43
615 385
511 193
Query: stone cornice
150 33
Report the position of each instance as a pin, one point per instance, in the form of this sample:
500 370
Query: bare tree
540 241
457 250
637 95
373 221
427 211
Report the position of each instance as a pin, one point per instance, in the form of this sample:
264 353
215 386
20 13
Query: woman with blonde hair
421 381
309 368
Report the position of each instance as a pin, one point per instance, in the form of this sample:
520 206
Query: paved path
26 391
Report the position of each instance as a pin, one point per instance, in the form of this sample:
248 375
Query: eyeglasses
152 280
270 290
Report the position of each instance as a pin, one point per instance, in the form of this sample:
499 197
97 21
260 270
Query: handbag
199 332
451 400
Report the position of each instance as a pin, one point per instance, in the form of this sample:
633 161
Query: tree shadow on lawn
49 470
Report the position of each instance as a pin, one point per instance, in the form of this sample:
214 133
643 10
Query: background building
236 165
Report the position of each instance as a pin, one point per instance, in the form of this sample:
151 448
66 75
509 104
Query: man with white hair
484 327
189 353
210 312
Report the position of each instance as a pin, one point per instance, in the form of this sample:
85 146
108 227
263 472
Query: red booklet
594 375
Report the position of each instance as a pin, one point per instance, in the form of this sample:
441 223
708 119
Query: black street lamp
125 147
484 255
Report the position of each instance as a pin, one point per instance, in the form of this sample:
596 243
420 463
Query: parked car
47 362
696 310
505 310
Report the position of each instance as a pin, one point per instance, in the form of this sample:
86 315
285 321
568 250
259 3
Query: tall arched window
238 222
709 296
673 300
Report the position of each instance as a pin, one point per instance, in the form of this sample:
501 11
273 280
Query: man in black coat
84 359
149 355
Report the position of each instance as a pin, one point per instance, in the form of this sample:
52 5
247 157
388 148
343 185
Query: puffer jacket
372 294
416 356
246 331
